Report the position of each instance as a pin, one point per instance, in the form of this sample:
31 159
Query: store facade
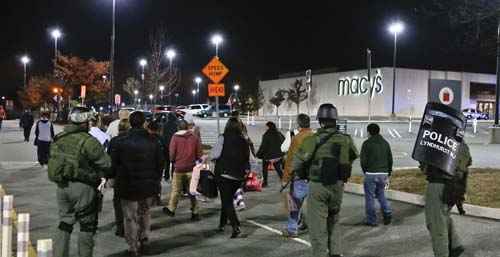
355 96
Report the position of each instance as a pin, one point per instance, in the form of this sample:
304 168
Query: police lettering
443 140
361 85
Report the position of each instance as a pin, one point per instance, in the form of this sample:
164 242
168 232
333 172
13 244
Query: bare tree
278 99
130 85
159 74
297 93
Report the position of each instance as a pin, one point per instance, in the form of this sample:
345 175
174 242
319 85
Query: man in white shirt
98 134
113 126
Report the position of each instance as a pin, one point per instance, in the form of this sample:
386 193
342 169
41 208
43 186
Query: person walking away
299 188
154 132
326 160
26 123
77 165
97 133
443 191
137 163
123 128
376 163
244 129
184 150
270 151
44 135
169 129
3 116
231 154
112 130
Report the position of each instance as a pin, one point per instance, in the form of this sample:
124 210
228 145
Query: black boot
455 252
236 232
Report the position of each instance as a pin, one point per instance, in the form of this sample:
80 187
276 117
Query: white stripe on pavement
391 133
298 240
397 133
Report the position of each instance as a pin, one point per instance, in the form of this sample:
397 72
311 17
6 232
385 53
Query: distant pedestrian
112 130
153 129
169 129
231 154
376 163
123 128
244 130
299 188
97 133
184 150
270 151
26 123
3 116
443 192
137 163
44 135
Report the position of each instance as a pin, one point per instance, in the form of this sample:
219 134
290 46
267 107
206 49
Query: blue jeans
374 188
296 199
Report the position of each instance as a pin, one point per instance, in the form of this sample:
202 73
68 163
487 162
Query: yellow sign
216 90
215 70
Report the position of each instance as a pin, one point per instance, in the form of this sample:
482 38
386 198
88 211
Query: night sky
262 38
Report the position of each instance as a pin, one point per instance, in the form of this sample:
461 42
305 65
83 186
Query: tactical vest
67 162
332 161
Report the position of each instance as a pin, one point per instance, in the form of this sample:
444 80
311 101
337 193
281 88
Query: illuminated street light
198 80
25 60
162 88
170 56
217 40
395 28
143 63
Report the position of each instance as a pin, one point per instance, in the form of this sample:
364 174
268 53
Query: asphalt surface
178 236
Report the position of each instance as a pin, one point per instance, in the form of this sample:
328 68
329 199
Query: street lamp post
162 87
198 80
236 89
136 92
170 56
217 40
112 55
25 60
143 64
151 99
395 28
56 34
194 94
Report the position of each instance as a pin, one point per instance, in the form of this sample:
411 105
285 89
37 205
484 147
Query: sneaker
370 224
236 232
289 234
303 227
167 211
387 219
457 251
195 217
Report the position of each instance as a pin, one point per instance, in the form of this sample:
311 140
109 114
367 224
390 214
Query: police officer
443 192
325 158
77 163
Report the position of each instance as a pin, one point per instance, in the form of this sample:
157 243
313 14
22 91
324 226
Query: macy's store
355 96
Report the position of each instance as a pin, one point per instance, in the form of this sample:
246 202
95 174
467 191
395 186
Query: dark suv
224 111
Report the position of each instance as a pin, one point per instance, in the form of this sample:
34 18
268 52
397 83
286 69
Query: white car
196 109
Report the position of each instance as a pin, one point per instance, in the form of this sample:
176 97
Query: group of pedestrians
314 165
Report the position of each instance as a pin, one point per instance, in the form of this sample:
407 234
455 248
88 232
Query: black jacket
137 162
26 120
234 158
270 147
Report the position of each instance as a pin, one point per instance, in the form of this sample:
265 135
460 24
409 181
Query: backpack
64 161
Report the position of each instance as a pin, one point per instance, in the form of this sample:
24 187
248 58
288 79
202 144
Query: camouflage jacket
334 158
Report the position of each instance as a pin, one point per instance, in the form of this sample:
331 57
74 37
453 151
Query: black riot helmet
327 112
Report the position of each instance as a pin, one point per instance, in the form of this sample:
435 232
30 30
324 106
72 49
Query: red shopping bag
253 183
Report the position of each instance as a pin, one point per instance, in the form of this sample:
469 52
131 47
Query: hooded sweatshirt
184 150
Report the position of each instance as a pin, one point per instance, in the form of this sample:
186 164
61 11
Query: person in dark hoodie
137 160
184 150
44 135
26 122
270 151
376 163
169 129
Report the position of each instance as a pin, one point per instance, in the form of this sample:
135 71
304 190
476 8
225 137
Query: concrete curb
419 200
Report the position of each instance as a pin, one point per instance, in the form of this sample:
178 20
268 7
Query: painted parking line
391 133
275 231
396 133
356 132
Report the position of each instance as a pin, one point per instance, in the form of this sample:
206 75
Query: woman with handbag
231 154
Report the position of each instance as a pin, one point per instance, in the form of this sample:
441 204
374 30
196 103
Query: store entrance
486 107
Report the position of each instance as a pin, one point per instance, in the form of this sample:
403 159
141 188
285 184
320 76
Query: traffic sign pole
218 115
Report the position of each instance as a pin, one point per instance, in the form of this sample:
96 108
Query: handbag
253 183
207 185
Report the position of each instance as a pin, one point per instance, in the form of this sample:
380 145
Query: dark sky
262 38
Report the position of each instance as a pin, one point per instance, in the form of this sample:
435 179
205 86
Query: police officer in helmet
325 158
77 163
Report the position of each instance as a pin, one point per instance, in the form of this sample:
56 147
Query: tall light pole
25 60
236 89
162 87
217 40
151 99
136 92
194 94
170 56
56 34
143 63
395 28
112 55
198 80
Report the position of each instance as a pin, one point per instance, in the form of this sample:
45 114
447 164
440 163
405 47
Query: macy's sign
360 85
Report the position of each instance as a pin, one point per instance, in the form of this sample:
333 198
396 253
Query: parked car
162 116
471 114
181 107
195 109
163 108
224 111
